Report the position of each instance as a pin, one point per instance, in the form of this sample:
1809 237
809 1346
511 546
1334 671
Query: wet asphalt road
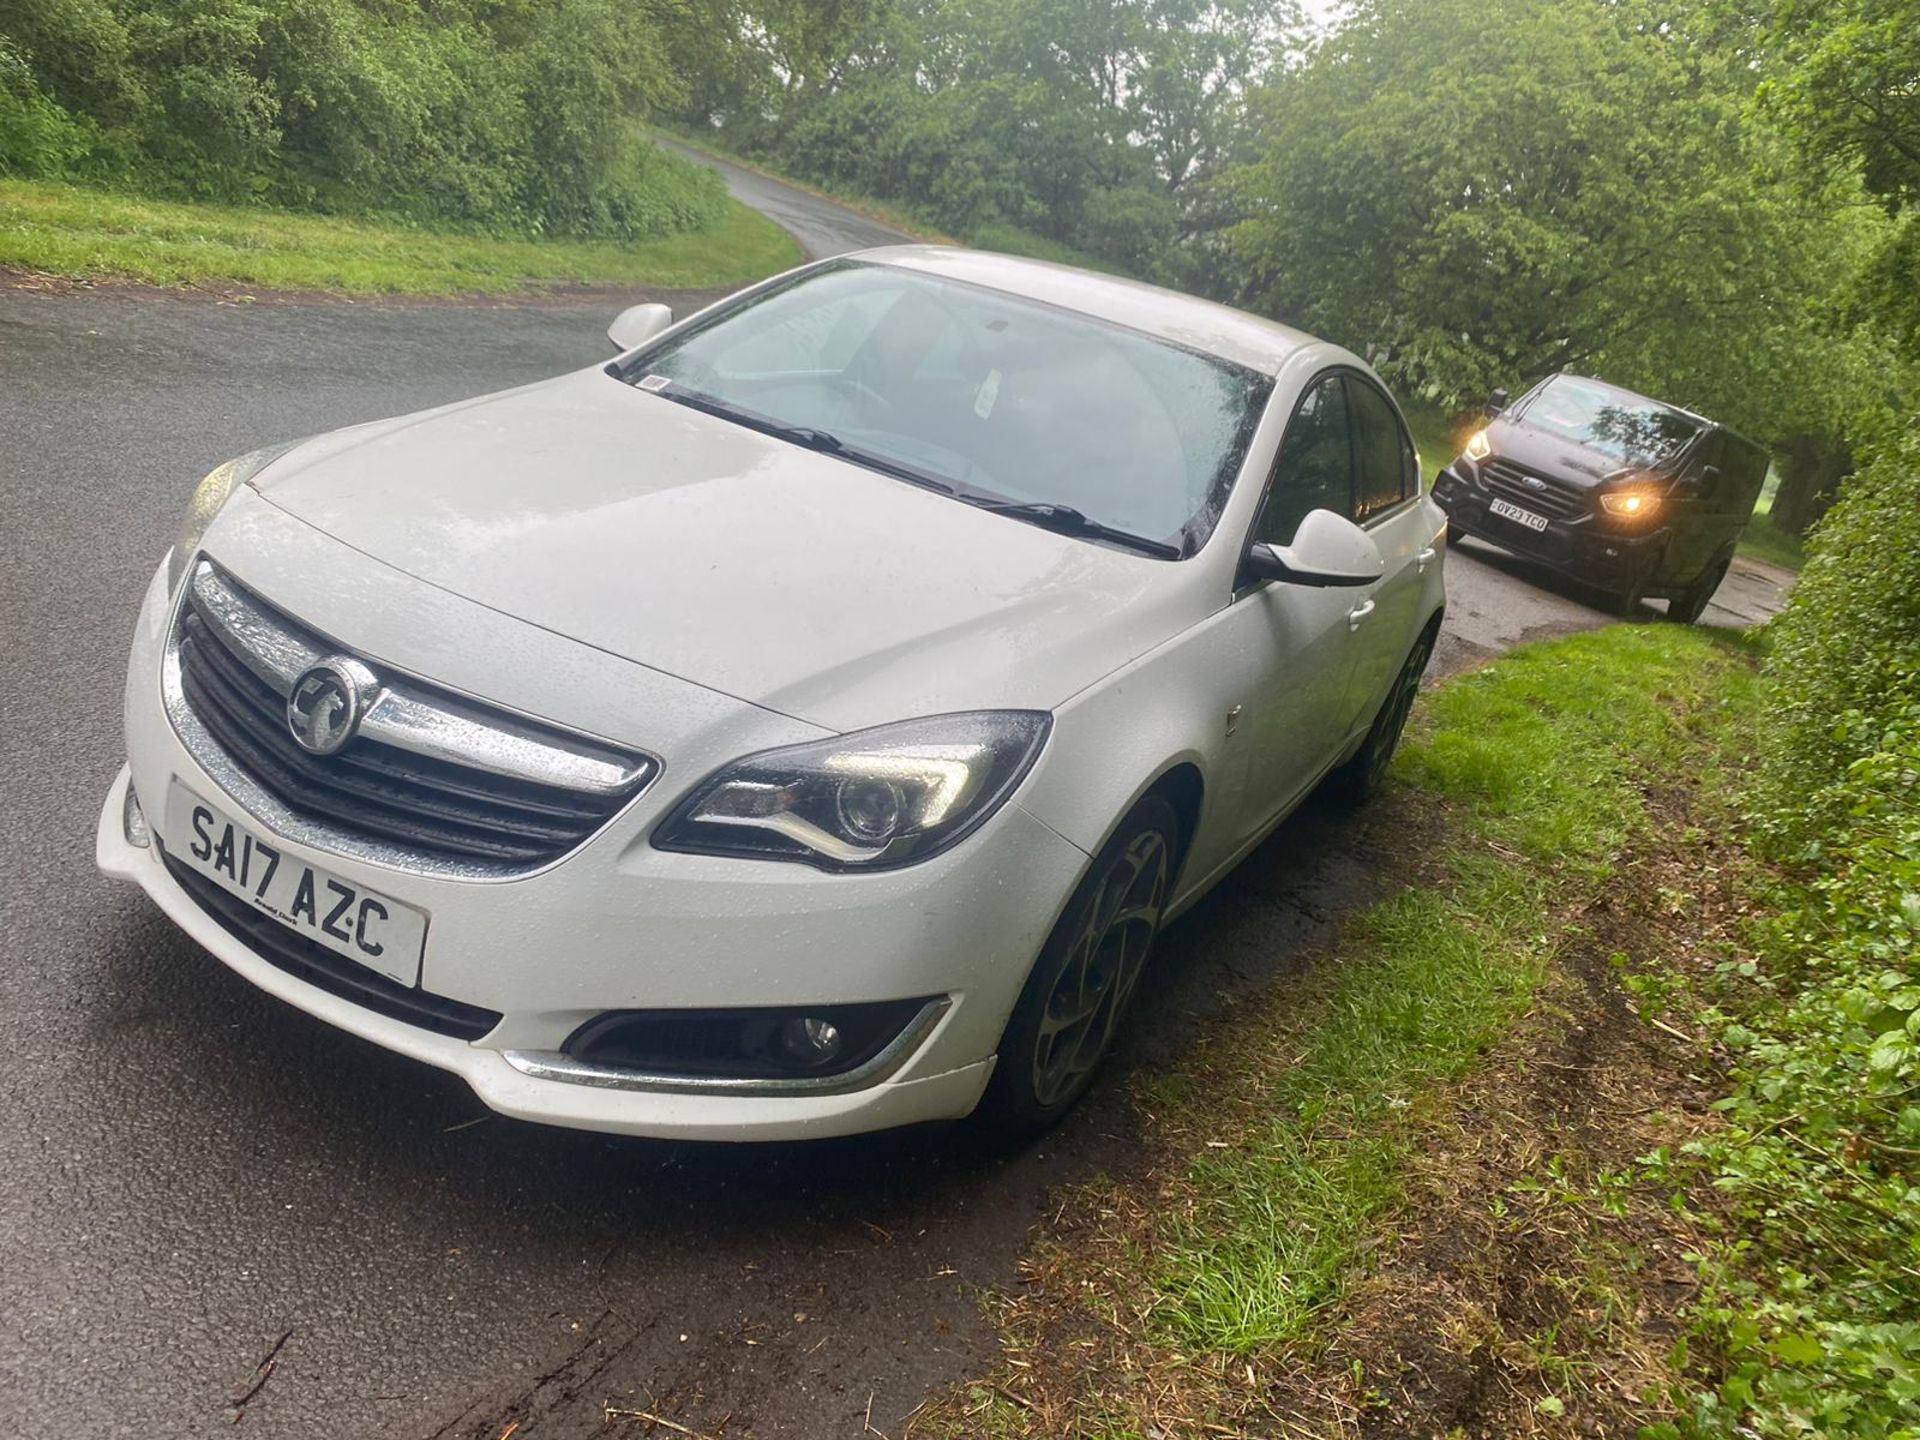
821 227
191 1172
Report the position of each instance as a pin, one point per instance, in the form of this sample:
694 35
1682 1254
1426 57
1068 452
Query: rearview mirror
637 324
1496 402
1327 550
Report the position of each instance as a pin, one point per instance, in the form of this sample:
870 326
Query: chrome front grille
428 781
1542 494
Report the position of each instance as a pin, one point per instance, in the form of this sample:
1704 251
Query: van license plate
376 930
1518 516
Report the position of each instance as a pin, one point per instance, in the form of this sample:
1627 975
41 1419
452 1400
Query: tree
1499 189
1085 123
1846 86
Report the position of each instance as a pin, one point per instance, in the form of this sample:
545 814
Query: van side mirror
1696 487
1496 402
1327 550
638 324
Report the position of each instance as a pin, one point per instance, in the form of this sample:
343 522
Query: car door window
1315 469
1384 473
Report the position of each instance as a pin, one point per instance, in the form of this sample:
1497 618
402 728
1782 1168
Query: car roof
1263 345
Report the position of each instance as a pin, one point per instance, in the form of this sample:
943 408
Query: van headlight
1631 504
209 496
871 800
1478 446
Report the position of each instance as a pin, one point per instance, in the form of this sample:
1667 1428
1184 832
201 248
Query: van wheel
1627 603
1454 534
1068 1013
1690 604
1358 780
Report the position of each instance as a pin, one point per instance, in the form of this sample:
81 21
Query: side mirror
1496 402
1695 487
1327 550
637 324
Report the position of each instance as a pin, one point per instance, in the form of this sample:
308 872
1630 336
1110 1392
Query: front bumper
1576 547
618 925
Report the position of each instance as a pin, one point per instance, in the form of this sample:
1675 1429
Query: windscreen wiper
1066 520
1062 519
810 437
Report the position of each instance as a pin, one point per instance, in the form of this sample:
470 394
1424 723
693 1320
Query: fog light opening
788 1042
133 821
810 1041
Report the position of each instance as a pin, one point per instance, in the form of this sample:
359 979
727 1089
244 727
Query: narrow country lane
191 1172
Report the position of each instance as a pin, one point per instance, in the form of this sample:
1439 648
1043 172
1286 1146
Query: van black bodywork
1626 493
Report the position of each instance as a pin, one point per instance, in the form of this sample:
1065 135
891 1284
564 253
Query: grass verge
70 231
1335 1159
1765 541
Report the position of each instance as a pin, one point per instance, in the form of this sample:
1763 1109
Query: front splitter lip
947 1095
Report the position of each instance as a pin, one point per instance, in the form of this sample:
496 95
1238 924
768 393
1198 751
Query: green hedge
1817 1304
503 114
1844 672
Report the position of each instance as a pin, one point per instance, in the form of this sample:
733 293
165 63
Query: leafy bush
506 114
1136 228
1844 674
37 137
1817 1306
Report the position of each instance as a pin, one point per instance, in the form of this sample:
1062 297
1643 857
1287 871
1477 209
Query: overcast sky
1320 13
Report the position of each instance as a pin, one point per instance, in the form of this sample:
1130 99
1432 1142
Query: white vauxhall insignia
803 724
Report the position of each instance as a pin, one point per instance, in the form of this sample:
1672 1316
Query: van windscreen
1632 430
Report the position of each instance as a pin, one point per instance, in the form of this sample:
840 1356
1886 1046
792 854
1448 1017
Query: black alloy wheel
1077 995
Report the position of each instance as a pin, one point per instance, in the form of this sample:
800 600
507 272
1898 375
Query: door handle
1358 614
1425 557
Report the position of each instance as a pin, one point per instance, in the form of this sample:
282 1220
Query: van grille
1560 499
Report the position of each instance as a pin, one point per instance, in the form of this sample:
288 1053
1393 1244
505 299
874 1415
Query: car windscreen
994 397
1631 430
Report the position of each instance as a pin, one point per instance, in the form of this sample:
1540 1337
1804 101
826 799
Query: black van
1628 494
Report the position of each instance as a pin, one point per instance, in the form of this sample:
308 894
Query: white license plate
1517 515
376 930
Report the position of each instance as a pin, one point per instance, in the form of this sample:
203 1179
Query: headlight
866 801
1478 446
1631 504
208 496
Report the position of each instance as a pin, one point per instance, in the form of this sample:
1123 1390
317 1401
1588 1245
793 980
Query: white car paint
591 556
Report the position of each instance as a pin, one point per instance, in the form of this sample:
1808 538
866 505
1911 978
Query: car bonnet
784 577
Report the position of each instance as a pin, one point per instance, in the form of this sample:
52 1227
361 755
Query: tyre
1690 604
1358 780
1627 602
1074 1000
1454 534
